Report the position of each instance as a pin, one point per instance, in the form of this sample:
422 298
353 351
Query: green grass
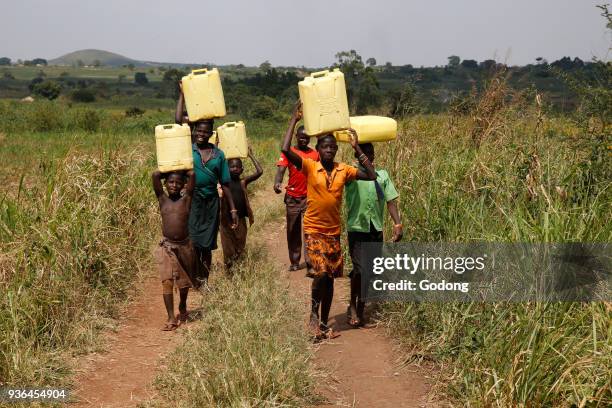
523 184
249 350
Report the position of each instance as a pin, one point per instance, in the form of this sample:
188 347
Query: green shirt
207 176
362 203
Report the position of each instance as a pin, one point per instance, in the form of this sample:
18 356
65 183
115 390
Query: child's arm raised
370 173
180 106
157 184
190 183
258 169
286 146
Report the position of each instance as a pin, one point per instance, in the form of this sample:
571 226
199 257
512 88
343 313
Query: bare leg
169 303
183 303
206 261
327 290
315 302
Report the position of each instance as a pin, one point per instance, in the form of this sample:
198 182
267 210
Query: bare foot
182 317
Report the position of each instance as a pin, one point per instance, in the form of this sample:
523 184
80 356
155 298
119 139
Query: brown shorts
176 262
325 254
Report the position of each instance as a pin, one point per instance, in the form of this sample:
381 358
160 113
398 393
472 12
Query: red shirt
296 186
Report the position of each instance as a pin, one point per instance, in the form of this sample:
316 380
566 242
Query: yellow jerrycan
203 94
370 129
233 140
173 145
324 103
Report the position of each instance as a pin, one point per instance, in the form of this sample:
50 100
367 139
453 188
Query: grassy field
531 179
77 218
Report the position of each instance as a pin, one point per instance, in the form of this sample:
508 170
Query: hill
89 56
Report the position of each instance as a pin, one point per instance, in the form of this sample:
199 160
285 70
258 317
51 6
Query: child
325 183
295 198
175 255
365 203
233 239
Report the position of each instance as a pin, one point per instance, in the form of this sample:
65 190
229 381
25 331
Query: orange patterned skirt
325 253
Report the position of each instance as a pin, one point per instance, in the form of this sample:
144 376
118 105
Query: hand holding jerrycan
203 94
324 102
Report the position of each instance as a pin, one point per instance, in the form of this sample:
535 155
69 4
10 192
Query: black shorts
355 239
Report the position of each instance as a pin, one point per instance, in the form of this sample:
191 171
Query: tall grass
71 243
528 178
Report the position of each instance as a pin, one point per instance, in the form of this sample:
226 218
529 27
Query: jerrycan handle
168 126
319 74
199 71
230 124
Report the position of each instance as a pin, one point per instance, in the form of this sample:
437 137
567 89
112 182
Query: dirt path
361 362
123 376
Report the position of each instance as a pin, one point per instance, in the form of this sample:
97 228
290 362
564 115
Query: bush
134 112
44 117
86 119
47 89
83 95
263 108
140 78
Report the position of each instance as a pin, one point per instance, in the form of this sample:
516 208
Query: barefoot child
365 204
175 255
233 240
325 183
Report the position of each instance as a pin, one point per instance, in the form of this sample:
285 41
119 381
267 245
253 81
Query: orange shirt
325 196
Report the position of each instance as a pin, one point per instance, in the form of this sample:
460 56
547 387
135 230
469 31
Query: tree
265 66
130 66
171 80
140 78
469 64
488 64
39 61
83 95
80 63
264 107
349 62
5 61
403 101
34 82
453 61
47 89
368 92
371 62
97 63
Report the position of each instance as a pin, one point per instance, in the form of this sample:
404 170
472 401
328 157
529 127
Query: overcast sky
289 32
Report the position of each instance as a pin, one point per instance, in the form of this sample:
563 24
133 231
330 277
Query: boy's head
368 150
175 181
202 131
235 168
302 139
327 147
